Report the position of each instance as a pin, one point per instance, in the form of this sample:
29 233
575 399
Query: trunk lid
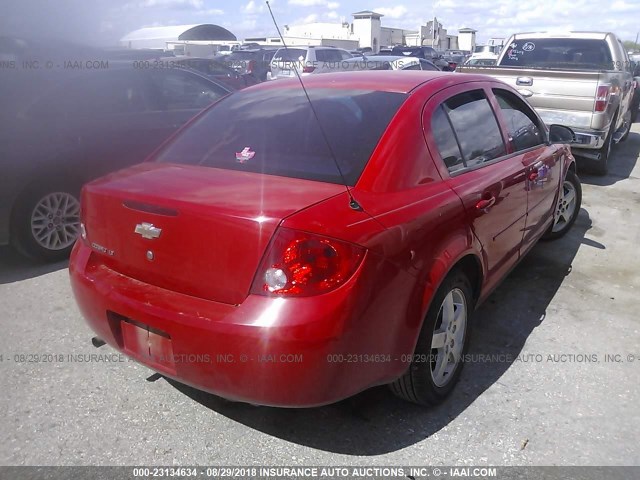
195 230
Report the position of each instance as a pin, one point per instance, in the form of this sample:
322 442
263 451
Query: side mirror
561 134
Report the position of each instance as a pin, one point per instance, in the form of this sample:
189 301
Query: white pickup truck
583 80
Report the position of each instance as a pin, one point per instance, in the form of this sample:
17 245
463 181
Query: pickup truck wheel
442 342
567 208
601 167
46 222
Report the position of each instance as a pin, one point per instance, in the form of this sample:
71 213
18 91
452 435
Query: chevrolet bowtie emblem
147 230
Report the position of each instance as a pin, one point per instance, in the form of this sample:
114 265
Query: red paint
194 304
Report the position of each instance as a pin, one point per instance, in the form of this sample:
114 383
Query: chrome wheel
448 337
566 207
55 221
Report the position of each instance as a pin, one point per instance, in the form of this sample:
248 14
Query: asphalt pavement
553 376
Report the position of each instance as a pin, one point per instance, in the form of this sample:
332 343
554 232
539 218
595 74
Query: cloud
398 11
211 11
173 4
312 18
307 3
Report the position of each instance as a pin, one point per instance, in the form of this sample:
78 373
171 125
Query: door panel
527 139
464 135
495 200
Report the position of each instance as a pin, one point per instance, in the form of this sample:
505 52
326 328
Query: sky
104 22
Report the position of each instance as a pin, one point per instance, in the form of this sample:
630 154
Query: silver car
381 62
306 60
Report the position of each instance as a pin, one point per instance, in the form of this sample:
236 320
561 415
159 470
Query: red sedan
292 251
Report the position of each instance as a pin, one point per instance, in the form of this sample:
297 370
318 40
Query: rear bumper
589 139
270 351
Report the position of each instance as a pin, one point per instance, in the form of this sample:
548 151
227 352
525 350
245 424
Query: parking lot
551 377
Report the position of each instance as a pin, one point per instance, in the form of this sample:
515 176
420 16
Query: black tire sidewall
420 370
21 236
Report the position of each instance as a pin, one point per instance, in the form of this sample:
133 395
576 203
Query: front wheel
46 222
443 340
567 208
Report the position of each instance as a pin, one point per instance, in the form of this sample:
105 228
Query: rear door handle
486 203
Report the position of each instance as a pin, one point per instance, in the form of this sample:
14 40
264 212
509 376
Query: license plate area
147 344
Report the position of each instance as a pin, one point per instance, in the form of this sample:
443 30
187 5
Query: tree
631 46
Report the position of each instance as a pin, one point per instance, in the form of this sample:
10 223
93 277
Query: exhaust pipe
98 342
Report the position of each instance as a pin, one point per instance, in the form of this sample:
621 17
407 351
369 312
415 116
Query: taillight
83 227
251 67
300 264
602 98
308 69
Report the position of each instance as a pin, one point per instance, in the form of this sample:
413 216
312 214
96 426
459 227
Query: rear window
275 132
565 53
290 54
238 54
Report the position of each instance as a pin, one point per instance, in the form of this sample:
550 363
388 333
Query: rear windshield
484 49
240 55
275 132
290 54
565 53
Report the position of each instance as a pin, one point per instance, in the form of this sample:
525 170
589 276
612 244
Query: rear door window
565 53
446 141
476 130
425 65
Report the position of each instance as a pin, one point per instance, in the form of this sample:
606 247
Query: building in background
436 36
196 40
366 31
467 39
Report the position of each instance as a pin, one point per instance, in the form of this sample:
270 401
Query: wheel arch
470 263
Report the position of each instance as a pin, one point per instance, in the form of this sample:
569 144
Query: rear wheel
438 357
46 222
567 208
601 167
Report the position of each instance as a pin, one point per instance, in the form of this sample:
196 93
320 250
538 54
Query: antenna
352 201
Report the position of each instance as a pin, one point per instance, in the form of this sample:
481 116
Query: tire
601 167
422 383
46 221
567 207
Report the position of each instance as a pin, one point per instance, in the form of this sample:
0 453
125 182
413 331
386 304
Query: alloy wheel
55 221
448 337
566 206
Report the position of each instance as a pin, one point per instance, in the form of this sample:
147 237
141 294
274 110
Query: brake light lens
602 98
300 264
251 67
308 69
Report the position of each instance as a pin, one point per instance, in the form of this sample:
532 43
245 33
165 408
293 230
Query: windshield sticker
529 47
245 155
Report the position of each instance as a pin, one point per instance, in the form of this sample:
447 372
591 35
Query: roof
374 80
564 34
467 30
204 31
367 13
